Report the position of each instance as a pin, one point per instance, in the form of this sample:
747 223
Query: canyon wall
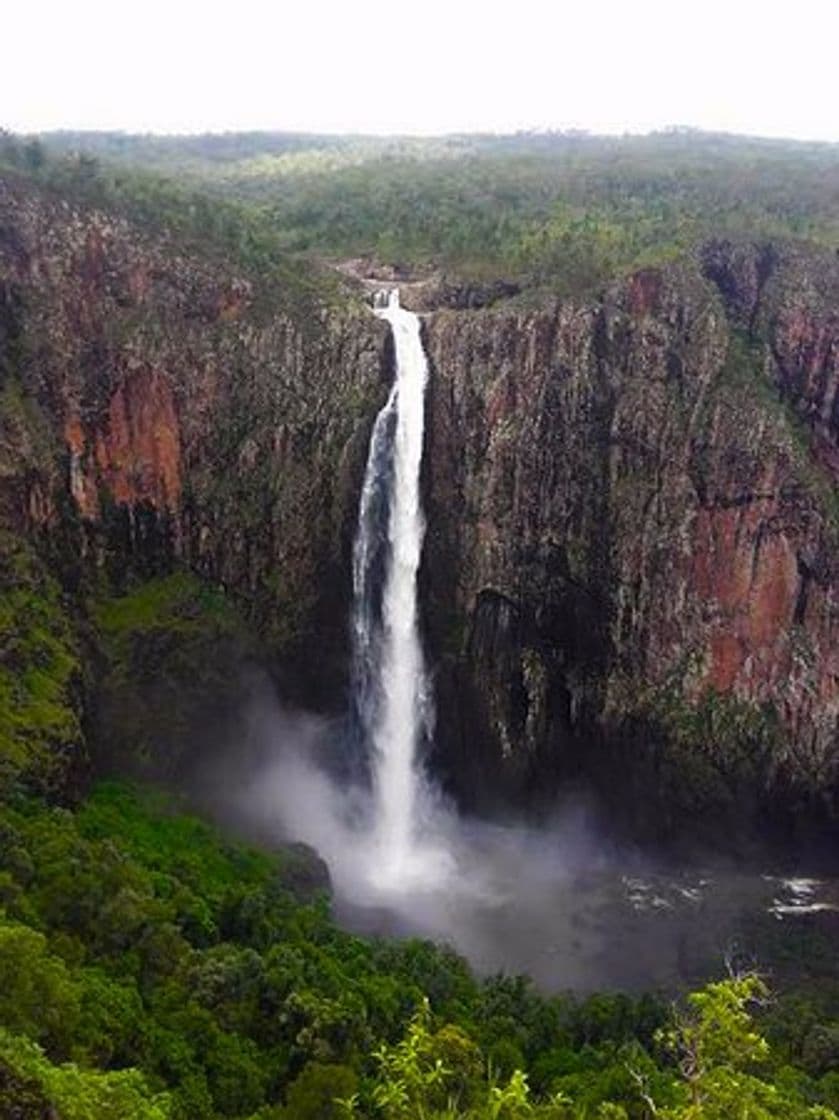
158 410
179 414
630 574
631 556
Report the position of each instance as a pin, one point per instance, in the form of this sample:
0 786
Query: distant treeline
563 211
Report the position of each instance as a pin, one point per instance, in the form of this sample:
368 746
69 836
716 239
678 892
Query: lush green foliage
149 968
30 1084
40 672
559 210
720 1073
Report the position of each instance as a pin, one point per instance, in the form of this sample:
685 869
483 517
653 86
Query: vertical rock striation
631 567
157 409
630 571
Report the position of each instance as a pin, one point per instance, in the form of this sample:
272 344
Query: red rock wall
187 417
653 516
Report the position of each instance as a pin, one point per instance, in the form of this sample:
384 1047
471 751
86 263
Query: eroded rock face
630 572
631 518
789 298
185 420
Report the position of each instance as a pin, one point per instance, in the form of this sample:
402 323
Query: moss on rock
41 737
173 652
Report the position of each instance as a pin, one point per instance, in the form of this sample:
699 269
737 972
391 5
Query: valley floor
152 968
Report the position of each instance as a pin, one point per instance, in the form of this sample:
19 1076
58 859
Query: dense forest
155 968
152 969
562 212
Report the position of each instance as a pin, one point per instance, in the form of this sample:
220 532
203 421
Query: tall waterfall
390 690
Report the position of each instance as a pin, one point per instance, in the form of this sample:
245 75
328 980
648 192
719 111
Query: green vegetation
149 968
40 675
173 651
560 211
557 212
31 1085
180 601
225 230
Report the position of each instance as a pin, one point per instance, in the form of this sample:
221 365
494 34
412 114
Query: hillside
558 211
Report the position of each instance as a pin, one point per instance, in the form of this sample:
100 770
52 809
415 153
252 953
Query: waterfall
389 690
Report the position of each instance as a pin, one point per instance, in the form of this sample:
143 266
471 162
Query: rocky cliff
629 577
631 559
157 409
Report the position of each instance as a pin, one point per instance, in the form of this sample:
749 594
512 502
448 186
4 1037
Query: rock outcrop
158 408
631 558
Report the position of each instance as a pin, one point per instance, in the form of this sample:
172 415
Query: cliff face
630 572
156 409
631 560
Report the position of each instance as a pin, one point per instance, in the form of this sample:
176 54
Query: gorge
629 566
493 616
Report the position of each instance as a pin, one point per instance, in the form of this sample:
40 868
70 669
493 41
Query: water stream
390 688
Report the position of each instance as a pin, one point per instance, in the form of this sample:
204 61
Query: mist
564 902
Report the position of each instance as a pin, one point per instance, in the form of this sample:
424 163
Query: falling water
390 683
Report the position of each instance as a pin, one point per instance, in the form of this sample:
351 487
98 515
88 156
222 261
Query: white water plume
390 683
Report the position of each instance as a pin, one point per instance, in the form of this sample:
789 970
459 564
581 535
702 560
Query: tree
318 1090
723 1060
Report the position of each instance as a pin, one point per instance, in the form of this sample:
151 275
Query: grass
178 602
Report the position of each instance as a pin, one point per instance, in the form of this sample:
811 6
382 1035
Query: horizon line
570 131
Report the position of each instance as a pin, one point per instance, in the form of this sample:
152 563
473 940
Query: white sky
428 66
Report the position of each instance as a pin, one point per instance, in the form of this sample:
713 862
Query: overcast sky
423 66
